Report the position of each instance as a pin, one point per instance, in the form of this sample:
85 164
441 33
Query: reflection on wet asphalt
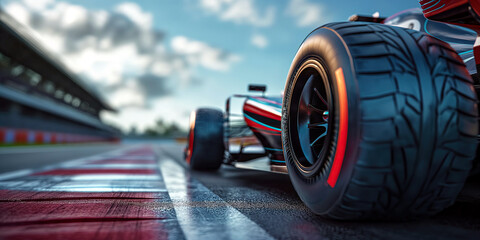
201 213
270 201
146 192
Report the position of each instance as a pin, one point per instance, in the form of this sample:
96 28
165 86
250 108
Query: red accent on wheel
342 129
190 137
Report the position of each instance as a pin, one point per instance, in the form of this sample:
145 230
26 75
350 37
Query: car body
262 114
378 118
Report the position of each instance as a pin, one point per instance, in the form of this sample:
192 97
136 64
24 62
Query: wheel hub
325 116
310 117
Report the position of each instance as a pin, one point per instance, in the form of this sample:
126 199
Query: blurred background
83 70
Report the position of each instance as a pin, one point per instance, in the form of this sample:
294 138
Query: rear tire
401 122
205 149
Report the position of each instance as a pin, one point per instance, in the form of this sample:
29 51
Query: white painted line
128 157
75 185
15 174
74 162
115 177
136 157
93 177
201 213
97 190
115 166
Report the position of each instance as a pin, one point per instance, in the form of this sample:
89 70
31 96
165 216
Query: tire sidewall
207 149
327 45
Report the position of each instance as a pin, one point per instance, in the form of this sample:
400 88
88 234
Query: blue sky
204 51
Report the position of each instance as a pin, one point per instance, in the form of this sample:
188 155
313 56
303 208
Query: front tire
205 148
378 122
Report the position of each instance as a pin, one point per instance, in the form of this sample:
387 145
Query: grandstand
41 101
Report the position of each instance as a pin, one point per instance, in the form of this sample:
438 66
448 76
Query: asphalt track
24 157
145 192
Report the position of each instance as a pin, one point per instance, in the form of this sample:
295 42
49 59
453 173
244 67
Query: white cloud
240 12
135 13
259 41
72 16
19 11
198 53
306 13
38 4
128 96
166 108
118 52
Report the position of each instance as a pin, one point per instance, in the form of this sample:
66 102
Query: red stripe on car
258 126
250 108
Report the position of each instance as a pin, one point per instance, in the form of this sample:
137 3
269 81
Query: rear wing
251 87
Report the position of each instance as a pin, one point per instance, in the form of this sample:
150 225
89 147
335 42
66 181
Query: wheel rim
189 149
311 115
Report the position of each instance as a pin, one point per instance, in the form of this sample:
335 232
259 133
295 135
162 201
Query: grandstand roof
17 43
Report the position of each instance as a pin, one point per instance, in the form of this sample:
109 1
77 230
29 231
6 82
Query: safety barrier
26 136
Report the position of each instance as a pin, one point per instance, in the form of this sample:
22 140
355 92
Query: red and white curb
26 136
75 200
125 194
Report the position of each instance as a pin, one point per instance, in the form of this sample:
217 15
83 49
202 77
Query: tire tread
208 148
446 165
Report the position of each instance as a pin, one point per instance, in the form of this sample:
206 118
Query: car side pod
465 13
378 122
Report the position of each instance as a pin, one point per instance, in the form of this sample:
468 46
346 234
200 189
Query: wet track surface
17 158
145 192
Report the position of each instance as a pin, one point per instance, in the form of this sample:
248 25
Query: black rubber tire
205 147
411 123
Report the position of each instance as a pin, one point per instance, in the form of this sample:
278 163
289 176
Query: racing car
378 118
